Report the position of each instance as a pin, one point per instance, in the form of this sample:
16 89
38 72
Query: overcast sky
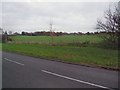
65 16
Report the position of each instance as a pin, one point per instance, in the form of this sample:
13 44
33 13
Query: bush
5 38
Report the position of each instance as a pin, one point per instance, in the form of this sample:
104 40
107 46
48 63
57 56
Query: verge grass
79 55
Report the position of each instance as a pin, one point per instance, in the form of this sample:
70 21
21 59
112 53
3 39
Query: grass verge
91 56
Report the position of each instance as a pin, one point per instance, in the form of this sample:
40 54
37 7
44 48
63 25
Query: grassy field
88 55
56 39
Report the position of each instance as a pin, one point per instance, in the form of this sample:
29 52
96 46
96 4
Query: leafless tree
111 25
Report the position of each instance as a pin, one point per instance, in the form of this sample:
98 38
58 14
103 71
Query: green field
56 39
86 55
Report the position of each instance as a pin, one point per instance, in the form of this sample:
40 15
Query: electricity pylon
51 29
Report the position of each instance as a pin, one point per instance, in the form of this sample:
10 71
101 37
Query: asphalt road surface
19 71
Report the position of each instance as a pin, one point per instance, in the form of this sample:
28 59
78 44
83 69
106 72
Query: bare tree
111 25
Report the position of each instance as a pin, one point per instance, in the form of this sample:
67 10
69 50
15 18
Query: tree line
48 33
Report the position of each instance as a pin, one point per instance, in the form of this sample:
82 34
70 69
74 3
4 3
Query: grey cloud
68 17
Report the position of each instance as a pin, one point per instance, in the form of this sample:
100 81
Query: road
19 71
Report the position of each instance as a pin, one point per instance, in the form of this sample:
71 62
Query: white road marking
73 79
14 61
